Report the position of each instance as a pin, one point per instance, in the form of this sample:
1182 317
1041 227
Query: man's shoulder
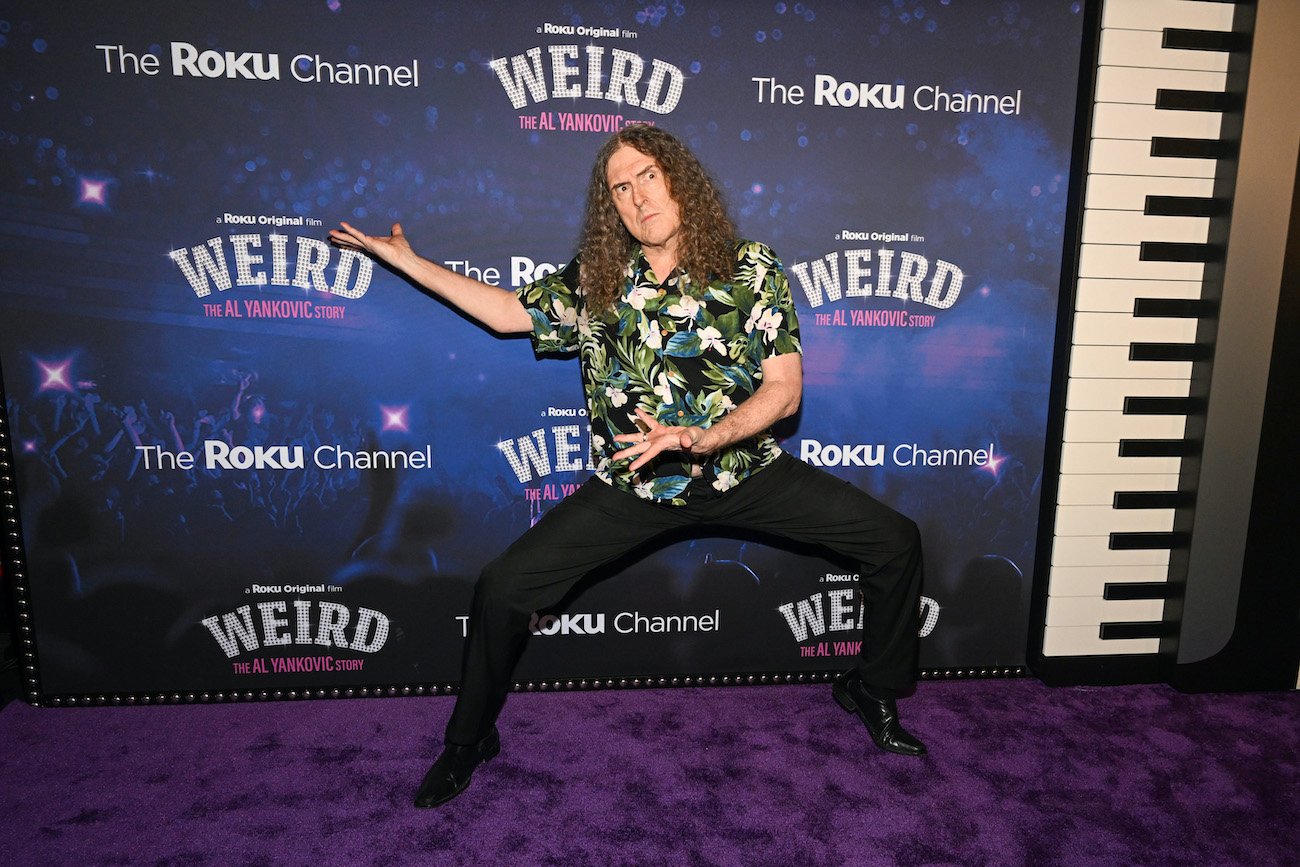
754 251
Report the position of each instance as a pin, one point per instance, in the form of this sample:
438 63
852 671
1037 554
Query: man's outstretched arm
497 308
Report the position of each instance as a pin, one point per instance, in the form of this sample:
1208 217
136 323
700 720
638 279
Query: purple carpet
1018 773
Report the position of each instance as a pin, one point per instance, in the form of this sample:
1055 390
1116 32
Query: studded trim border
427 689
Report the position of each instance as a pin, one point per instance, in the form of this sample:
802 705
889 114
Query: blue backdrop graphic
174 332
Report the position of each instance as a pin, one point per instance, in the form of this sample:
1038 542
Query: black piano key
1147 541
1158 448
1185 206
1170 352
1149 629
1197 100
1174 251
1192 148
1203 40
1164 405
1154 500
1181 308
1138 590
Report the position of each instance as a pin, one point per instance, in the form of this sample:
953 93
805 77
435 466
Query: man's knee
905 535
912 532
497 585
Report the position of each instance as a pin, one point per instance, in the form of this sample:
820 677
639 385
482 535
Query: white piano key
1099 489
1131 157
1094 611
1142 122
1159 14
1143 48
1107 395
1112 362
1117 296
1096 426
1121 329
1096 551
1128 193
1104 458
1135 85
1128 227
1086 641
1092 580
1100 520
1121 260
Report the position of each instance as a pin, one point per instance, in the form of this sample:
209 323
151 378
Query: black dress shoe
451 773
878 712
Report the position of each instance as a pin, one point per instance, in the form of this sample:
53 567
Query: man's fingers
654 449
643 446
349 237
637 448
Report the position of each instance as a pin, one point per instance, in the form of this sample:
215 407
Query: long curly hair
706 242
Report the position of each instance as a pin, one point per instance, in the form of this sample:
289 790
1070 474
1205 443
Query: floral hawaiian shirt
685 352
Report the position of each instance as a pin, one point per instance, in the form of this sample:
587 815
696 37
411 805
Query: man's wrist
707 442
407 260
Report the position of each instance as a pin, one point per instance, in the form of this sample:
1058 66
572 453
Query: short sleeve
772 322
555 305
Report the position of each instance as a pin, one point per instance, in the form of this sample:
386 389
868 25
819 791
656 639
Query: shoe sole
491 754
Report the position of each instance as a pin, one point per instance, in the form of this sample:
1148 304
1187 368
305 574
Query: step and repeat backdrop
248 460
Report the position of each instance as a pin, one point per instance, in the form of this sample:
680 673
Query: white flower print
651 336
766 320
687 308
711 338
664 389
566 316
640 295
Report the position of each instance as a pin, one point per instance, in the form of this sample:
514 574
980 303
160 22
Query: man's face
640 191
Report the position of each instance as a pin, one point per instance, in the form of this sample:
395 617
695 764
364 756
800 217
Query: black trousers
598 523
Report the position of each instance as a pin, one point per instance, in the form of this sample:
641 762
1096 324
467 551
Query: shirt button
681 413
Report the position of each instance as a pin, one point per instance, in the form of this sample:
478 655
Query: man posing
689 347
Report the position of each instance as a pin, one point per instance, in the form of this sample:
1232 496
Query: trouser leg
589 528
802 503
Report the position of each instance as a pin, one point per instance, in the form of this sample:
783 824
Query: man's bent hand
660 438
393 251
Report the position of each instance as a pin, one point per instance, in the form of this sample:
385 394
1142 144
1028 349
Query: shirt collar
638 262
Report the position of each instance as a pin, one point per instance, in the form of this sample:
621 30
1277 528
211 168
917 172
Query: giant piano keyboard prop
1161 160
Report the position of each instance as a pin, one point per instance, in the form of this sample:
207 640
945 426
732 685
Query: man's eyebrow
650 168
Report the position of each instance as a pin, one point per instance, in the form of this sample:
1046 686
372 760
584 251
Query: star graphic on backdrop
94 192
54 375
395 417
995 463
